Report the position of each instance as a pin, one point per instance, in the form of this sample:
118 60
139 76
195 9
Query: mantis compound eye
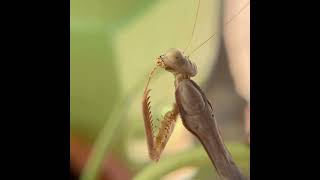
174 61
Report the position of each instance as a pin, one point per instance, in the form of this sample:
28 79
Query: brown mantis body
197 116
196 113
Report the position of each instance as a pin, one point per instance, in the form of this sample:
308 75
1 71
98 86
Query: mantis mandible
194 109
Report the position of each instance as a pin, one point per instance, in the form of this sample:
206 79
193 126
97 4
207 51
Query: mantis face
175 62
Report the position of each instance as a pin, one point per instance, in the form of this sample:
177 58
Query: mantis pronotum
194 108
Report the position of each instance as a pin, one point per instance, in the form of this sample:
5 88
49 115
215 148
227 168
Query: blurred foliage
94 83
113 47
109 13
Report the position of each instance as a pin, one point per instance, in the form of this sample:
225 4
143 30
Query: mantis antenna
194 26
229 21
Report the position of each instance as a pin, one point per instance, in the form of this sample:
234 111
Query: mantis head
175 62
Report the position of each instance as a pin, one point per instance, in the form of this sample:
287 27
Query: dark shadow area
73 176
228 105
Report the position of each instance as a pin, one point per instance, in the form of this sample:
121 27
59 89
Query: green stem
105 136
101 145
196 157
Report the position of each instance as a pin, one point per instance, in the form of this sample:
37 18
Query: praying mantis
194 109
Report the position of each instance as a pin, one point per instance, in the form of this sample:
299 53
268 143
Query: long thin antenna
229 21
194 26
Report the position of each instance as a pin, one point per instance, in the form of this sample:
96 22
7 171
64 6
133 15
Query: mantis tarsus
195 111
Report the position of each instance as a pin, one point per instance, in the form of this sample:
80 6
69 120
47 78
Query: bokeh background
113 48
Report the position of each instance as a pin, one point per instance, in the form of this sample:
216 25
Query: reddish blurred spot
247 121
112 167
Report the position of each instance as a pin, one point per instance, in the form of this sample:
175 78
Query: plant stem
196 157
99 150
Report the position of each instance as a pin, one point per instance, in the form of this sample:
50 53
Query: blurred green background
113 48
